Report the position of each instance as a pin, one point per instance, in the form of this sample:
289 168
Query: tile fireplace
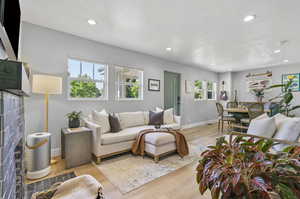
12 126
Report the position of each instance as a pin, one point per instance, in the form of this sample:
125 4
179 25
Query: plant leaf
285 192
294 108
276 86
288 97
215 191
260 184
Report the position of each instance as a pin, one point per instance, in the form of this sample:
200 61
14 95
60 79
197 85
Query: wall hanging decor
257 84
223 92
188 86
259 81
295 78
153 85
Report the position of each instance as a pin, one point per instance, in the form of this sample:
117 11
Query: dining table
240 112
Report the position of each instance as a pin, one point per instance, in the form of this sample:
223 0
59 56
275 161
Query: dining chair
254 111
231 105
223 118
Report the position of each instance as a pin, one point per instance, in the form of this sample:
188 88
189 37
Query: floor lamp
47 85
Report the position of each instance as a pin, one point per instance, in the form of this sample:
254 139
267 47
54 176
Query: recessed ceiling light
286 61
168 49
92 22
276 51
249 18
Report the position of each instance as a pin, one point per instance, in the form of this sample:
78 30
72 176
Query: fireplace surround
12 126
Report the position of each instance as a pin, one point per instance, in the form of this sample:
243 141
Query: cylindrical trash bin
38 155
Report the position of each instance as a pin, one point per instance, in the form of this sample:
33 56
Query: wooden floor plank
180 184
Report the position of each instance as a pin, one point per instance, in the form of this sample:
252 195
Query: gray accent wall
47 52
240 84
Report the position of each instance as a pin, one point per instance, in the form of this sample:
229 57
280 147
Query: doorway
172 97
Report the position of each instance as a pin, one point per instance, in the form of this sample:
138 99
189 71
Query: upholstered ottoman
159 144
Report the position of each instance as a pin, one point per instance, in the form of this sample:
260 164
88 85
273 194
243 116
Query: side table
76 145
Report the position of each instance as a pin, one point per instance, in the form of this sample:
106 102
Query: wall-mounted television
10 19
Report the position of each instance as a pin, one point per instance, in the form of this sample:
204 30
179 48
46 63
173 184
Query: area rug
129 172
46 184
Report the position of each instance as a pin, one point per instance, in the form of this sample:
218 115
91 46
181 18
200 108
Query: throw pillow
289 130
156 118
168 115
279 119
101 118
114 122
265 127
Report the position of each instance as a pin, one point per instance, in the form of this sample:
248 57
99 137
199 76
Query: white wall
240 84
47 51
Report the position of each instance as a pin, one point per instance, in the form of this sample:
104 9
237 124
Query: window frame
213 90
204 84
117 84
206 90
105 81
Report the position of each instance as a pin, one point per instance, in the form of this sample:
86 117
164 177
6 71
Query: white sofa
110 143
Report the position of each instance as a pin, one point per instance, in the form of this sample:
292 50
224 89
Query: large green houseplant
244 168
285 98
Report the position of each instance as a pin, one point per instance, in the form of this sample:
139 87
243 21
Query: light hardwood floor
179 184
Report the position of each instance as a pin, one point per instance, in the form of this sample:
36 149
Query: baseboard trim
187 126
55 152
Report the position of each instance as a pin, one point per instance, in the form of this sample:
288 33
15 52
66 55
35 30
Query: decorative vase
74 123
259 99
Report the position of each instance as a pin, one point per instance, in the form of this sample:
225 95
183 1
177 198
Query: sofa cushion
156 118
289 130
265 127
101 119
159 138
131 119
168 115
124 135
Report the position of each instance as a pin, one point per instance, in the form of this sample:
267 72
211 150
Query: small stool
159 144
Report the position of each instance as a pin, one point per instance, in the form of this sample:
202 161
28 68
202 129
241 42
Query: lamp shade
46 84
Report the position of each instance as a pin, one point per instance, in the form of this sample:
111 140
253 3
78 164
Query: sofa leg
156 159
97 159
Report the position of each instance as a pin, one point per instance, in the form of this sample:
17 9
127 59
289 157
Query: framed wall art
296 81
153 85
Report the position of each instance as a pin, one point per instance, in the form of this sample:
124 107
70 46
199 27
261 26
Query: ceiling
204 33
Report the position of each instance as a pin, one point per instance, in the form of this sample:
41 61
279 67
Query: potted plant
74 119
285 98
244 168
259 93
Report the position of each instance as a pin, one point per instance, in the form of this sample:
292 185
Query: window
200 93
205 90
211 90
129 83
87 80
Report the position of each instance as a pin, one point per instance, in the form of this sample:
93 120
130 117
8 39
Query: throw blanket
138 147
